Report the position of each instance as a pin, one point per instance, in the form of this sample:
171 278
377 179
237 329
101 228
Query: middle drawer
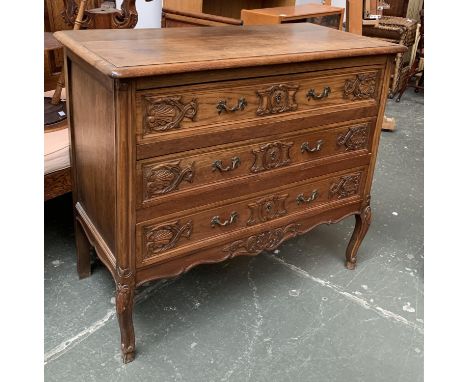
168 175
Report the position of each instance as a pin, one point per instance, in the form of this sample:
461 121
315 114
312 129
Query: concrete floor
296 315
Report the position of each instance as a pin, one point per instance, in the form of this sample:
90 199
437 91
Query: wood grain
167 172
255 93
250 212
131 53
156 204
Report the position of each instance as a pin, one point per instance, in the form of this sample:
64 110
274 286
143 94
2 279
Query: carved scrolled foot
124 308
363 220
83 252
391 95
350 265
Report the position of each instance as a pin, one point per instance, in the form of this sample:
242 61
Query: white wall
149 13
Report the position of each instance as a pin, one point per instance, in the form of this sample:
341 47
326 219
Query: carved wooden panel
277 99
271 155
355 139
160 238
346 186
267 240
363 86
164 178
166 113
266 209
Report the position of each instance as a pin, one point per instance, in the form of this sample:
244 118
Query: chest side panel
93 147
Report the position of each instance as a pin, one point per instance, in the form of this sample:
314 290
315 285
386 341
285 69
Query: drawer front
157 240
173 174
171 110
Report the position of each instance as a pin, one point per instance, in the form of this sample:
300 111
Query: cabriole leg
124 307
360 229
83 252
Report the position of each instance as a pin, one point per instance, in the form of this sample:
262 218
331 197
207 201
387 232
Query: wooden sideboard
314 13
182 159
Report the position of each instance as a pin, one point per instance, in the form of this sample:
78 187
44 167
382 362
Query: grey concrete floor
295 315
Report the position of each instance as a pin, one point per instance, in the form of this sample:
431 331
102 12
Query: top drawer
189 108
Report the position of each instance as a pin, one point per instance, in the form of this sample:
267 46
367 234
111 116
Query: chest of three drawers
221 161
187 158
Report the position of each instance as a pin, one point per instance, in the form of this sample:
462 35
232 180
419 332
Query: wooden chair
417 69
60 15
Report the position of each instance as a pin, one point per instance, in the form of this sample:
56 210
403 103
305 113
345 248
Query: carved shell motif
361 87
355 138
161 238
345 187
162 114
164 178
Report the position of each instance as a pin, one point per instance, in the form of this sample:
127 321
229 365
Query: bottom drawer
160 239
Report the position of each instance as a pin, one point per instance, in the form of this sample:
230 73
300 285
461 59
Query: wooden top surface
124 53
297 10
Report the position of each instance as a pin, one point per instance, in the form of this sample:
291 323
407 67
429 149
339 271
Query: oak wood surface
131 53
291 12
282 203
174 18
208 97
242 160
302 162
93 150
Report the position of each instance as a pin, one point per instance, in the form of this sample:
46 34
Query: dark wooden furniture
399 31
189 13
182 159
180 13
60 15
417 68
315 13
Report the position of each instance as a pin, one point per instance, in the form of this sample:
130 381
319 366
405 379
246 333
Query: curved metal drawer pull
305 147
302 199
218 165
325 93
222 106
215 221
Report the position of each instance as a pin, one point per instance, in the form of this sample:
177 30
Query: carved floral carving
355 138
361 87
346 186
267 209
164 178
267 240
160 238
277 99
271 155
166 113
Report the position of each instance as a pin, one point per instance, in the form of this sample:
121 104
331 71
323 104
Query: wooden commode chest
196 145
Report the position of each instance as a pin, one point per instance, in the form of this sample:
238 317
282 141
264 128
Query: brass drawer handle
325 93
305 147
302 199
218 165
222 106
215 221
